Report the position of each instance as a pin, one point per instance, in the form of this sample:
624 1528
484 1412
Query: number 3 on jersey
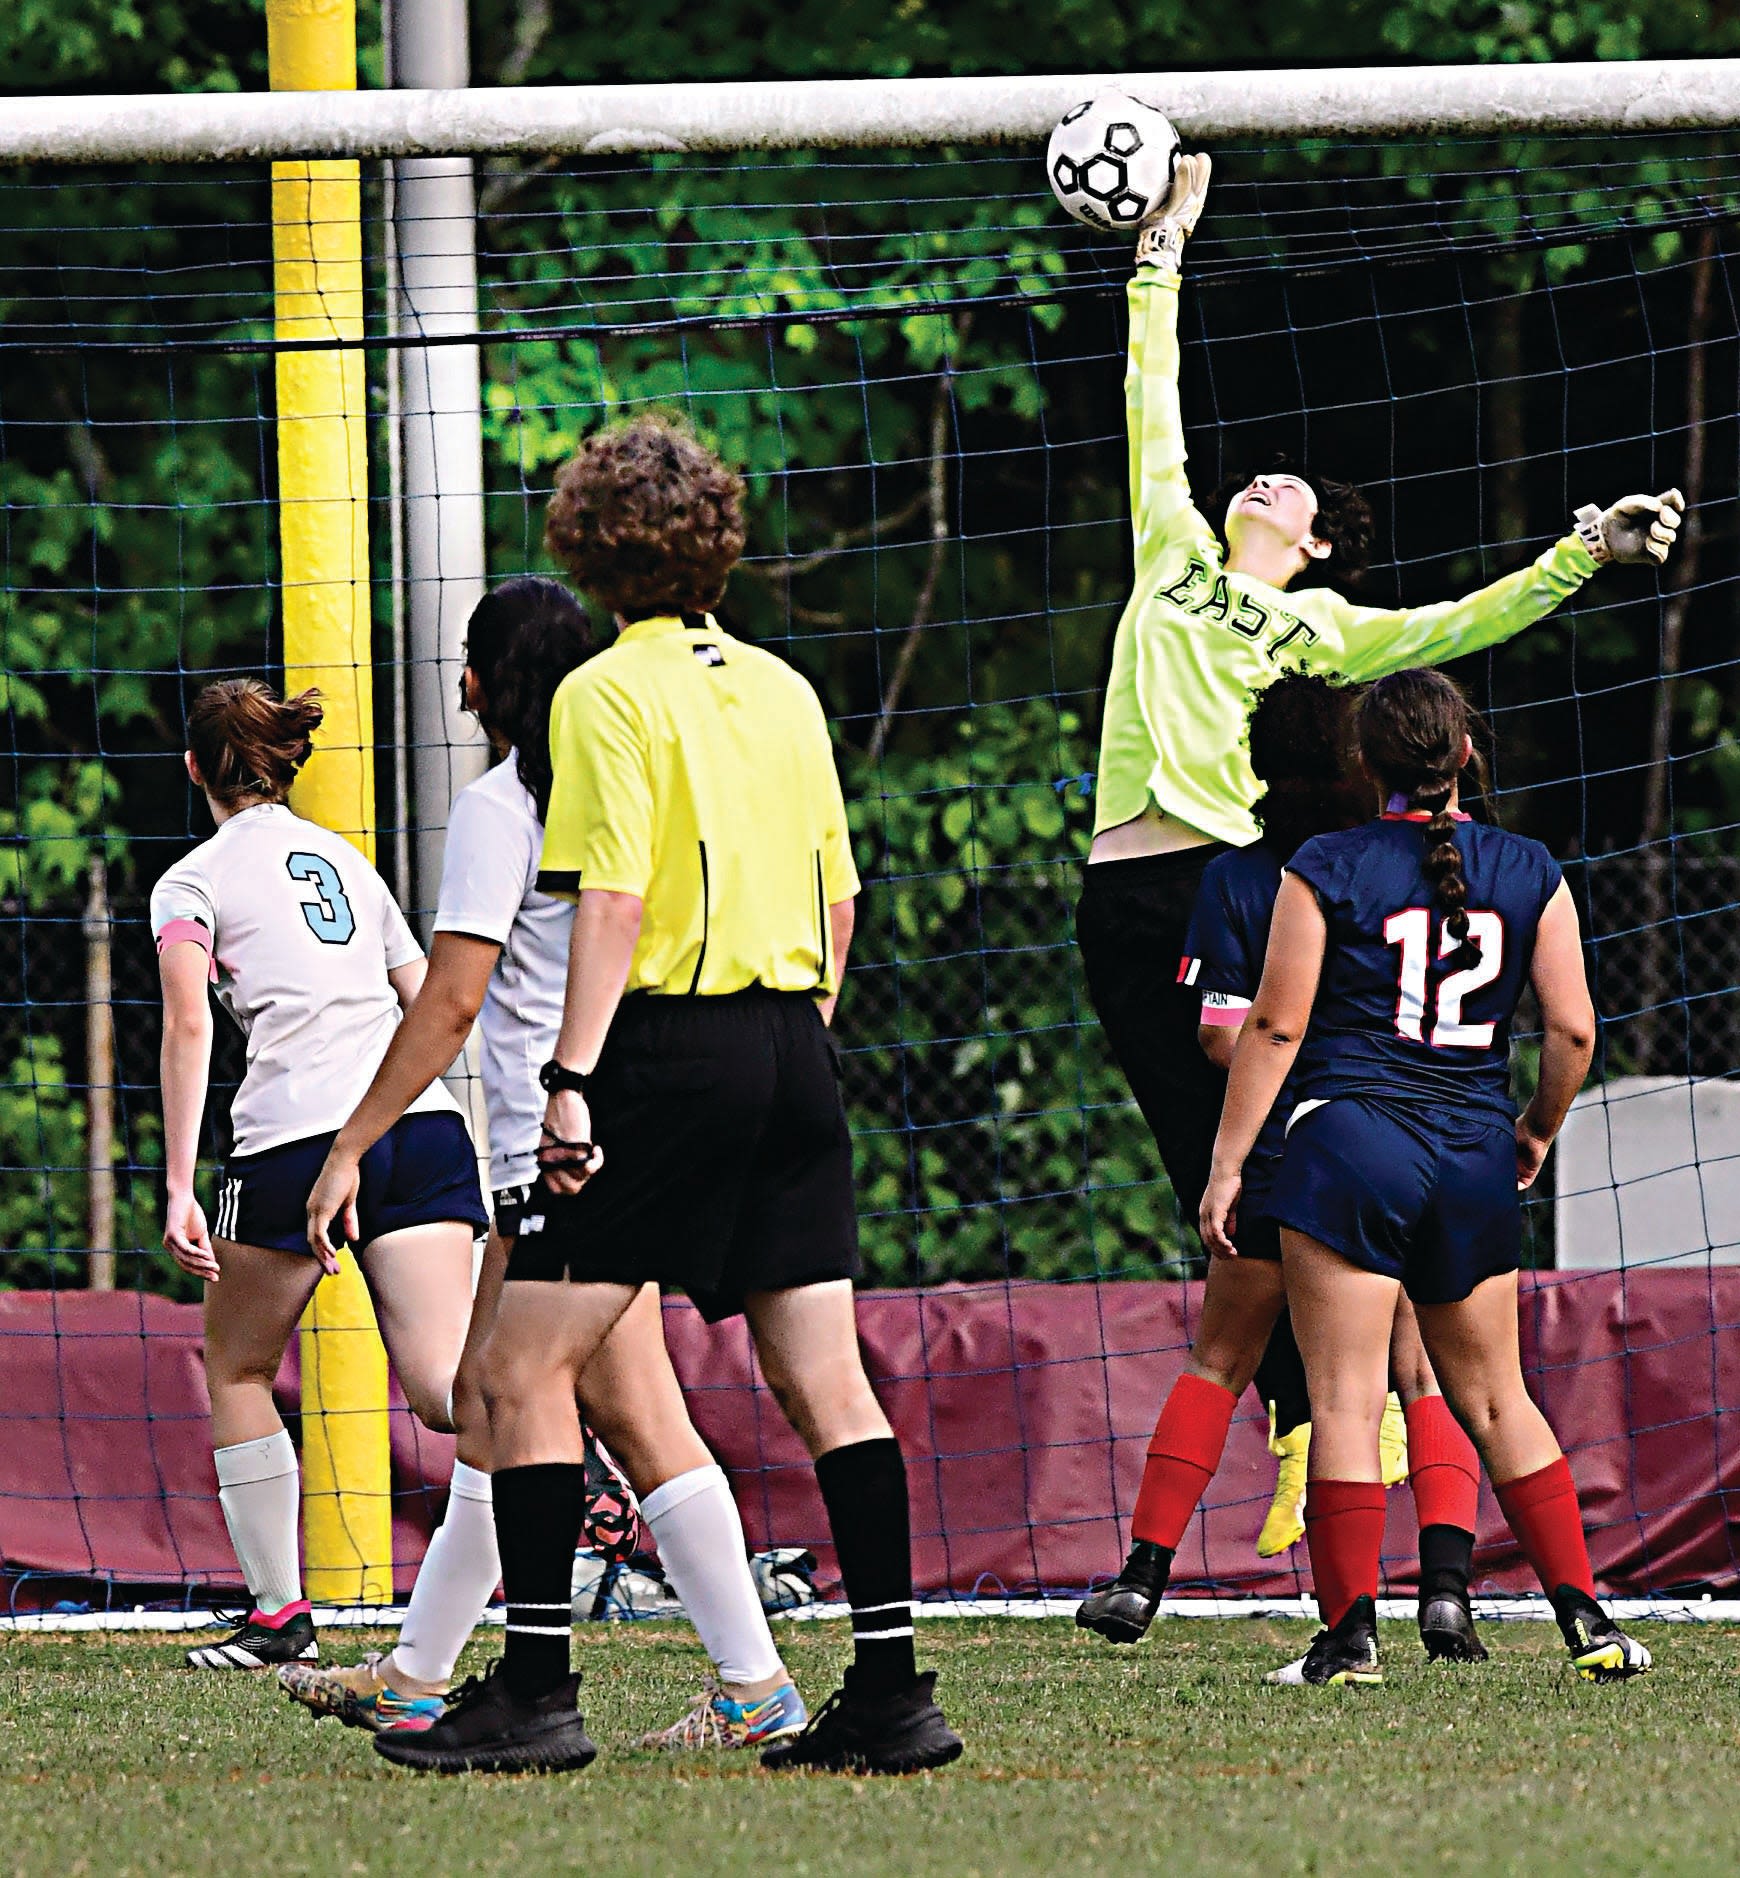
1412 931
328 914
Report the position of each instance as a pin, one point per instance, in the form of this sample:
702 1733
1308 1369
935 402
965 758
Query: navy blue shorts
1258 1237
1428 1197
421 1172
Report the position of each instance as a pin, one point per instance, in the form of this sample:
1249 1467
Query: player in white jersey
311 957
501 950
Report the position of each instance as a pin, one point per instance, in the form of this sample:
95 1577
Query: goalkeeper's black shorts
1131 923
727 1159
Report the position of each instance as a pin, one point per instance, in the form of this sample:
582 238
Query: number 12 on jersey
1412 931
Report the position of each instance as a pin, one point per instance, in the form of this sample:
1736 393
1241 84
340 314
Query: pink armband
1221 1010
194 933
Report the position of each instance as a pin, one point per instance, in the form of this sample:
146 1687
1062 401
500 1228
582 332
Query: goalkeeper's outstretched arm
1367 642
1161 510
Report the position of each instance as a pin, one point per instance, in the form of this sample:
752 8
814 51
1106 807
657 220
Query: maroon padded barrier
1024 1411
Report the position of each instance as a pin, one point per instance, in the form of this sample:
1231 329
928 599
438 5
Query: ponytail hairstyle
1411 730
524 637
1301 747
248 742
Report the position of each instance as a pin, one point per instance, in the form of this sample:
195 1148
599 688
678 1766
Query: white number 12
1412 931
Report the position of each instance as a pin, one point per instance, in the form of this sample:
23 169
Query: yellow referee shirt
695 772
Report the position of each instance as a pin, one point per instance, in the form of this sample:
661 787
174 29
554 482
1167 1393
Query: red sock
1543 1513
1186 1449
1443 1468
1344 1530
276 1620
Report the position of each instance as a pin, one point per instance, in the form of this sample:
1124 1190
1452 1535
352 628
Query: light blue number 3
328 914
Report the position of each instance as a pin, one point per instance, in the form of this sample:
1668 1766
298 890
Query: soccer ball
1110 161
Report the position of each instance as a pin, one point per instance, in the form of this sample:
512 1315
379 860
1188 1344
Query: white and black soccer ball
1110 161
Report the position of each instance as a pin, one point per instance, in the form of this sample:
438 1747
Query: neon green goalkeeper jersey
1195 642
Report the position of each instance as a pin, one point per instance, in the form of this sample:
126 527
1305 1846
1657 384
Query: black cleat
1447 1625
1600 1650
1123 1610
854 1733
259 1646
1346 1654
487 1729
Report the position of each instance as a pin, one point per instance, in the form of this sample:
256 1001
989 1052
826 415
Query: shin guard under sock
538 1511
864 1488
1344 1530
1542 1511
1186 1447
1443 1468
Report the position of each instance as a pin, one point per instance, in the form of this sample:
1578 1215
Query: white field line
388 1617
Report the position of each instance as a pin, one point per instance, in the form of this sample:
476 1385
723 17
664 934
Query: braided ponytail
1412 727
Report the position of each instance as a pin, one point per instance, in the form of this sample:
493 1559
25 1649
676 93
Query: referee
696 816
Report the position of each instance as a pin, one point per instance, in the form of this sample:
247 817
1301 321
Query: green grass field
1080 1758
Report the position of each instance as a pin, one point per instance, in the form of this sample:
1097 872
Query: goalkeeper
1208 624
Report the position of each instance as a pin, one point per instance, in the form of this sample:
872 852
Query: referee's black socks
864 1487
538 1511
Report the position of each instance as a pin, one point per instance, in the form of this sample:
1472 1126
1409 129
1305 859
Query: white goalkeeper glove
1636 528
1161 240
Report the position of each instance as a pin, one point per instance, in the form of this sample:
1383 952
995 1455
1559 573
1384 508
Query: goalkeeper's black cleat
1345 1653
855 1732
1600 1650
256 1645
487 1729
1123 1610
1447 1627
1446 1622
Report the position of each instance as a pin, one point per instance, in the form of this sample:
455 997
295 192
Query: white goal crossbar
910 113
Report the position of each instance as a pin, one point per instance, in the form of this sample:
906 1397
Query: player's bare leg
633 1402
1444 1471
885 1718
250 1313
1342 1317
420 1281
1240 1303
1474 1348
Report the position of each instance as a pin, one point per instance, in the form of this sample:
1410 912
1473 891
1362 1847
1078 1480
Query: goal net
917 363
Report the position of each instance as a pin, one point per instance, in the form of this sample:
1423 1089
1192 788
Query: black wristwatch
557 1076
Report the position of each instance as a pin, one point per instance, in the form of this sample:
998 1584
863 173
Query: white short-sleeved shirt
489 889
302 933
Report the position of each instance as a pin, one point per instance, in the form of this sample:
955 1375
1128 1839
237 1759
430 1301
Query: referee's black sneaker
1345 1653
1123 1610
854 1732
1600 1650
487 1729
254 1645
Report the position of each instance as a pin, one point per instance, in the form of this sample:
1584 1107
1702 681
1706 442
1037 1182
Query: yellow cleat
1393 1442
1285 1525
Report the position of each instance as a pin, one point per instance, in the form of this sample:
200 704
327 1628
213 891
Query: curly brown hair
1344 519
647 520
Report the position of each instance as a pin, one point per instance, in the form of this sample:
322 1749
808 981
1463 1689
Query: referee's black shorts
727 1159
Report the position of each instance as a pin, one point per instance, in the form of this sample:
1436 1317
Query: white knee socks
700 1541
260 1491
457 1579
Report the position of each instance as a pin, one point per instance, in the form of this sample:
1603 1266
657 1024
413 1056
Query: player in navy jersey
1396 958
1299 748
